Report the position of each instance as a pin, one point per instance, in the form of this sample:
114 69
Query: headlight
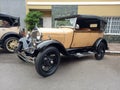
39 36
36 35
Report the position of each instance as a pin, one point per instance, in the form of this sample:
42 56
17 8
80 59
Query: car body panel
71 38
83 38
63 35
4 30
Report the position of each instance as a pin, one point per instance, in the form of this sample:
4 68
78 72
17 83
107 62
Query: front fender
24 42
47 43
10 34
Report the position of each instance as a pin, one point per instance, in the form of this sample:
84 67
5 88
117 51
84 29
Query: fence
113 26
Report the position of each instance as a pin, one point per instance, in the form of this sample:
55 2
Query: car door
81 38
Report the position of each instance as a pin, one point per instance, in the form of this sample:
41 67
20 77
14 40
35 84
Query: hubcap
12 44
49 62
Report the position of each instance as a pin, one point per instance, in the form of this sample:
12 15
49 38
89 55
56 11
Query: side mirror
77 26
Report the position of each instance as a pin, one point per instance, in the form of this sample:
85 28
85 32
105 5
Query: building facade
108 9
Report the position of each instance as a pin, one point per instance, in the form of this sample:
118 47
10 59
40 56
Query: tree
33 18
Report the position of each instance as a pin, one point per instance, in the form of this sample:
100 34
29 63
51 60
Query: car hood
51 30
55 30
54 33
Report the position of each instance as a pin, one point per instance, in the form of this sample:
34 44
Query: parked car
73 35
9 32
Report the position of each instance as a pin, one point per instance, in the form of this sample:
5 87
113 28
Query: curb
108 52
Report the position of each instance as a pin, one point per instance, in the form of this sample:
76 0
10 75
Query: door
81 38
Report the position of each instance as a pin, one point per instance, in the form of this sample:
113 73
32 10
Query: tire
100 52
10 44
47 61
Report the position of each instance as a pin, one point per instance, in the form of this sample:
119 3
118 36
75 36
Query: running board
84 54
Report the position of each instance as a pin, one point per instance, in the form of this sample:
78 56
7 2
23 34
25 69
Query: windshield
70 22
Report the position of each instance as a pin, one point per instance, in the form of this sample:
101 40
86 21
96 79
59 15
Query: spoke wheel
47 61
10 44
100 52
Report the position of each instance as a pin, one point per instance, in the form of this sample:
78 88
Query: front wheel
10 44
47 61
100 52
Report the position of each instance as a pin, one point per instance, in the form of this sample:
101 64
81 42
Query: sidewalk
114 48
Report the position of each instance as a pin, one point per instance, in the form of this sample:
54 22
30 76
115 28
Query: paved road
83 73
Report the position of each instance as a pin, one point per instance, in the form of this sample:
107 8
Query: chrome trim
26 58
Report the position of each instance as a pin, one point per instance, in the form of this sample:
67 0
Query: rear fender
98 41
10 34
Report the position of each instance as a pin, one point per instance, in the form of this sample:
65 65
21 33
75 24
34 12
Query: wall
61 11
67 0
15 8
100 10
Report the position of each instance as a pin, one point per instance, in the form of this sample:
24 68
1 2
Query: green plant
33 18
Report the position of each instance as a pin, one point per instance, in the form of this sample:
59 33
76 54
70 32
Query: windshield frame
71 21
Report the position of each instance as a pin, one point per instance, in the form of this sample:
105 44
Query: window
4 23
113 25
41 22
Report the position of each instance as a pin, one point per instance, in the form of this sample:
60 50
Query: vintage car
72 35
9 32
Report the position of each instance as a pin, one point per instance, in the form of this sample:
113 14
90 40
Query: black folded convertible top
81 17
84 21
14 21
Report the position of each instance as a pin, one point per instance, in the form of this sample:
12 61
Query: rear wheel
47 61
10 44
100 52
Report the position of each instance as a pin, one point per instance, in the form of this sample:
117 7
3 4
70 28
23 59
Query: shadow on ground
75 59
2 51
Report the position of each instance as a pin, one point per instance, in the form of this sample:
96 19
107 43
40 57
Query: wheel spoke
49 61
11 44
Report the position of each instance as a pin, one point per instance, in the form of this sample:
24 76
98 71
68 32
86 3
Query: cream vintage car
72 35
9 32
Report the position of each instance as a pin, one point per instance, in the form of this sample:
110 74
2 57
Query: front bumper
23 56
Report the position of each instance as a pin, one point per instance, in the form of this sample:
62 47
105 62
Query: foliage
33 18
